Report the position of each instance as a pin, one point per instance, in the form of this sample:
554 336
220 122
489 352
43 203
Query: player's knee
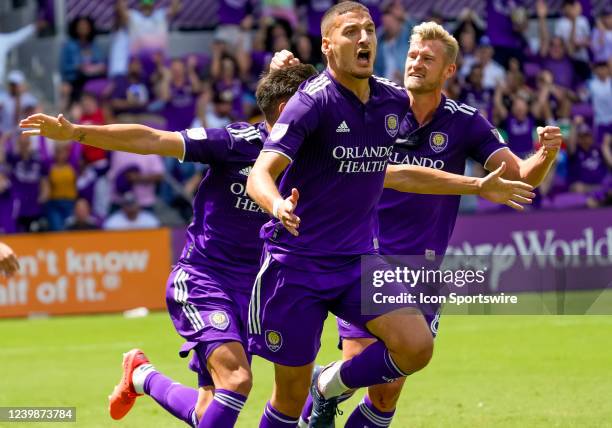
384 397
239 380
412 353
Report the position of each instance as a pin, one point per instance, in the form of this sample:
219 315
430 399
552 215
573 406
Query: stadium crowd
521 66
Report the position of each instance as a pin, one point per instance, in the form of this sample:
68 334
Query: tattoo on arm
81 137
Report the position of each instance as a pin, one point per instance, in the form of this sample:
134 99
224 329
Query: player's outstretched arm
125 138
533 169
261 187
8 260
417 179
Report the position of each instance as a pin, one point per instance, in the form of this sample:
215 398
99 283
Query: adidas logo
343 127
246 170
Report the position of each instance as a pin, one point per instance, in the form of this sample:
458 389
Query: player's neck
424 105
359 87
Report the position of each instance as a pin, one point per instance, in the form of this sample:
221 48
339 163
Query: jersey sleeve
206 145
485 139
299 119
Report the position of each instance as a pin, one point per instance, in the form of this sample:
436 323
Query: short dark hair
278 86
336 10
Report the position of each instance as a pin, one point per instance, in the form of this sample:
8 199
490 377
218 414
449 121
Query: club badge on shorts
274 340
219 320
391 124
438 141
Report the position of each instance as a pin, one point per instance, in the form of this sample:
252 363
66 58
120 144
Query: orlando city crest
219 320
391 124
274 340
438 141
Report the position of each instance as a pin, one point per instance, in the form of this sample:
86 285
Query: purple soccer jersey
499 28
224 232
588 166
520 134
412 224
180 109
339 149
26 177
232 12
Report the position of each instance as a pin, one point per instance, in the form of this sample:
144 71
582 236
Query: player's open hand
8 260
284 211
515 194
283 59
550 138
58 128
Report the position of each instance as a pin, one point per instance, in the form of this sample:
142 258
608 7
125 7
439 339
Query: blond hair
434 31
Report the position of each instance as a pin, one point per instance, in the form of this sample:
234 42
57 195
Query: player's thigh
286 316
352 339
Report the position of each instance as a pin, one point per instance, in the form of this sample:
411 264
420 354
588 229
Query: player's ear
450 70
281 107
325 45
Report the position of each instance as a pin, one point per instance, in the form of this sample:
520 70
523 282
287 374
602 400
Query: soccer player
8 260
441 133
334 138
208 290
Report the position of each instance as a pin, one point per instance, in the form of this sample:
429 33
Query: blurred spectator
506 26
130 216
235 21
81 59
553 56
467 51
216 114
305 52
130 95
551 101
311 13
89 112
148 26
224 70
138 174
600 91
7 199
10 40
179 89
119 49
575 31
62 188
601 41
492 72
473 92
82 218
15 104
29 178
519 125
393 42
180 184
375 8
589 168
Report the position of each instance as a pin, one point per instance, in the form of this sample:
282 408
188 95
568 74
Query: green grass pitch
488 371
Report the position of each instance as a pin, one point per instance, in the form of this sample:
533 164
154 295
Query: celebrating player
334 138
208 290
8 260
442 133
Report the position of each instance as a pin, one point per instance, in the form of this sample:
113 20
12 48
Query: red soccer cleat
121 401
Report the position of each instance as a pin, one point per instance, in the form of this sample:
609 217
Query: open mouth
363 58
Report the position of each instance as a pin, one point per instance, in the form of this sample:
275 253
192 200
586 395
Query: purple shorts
208 307
289 306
